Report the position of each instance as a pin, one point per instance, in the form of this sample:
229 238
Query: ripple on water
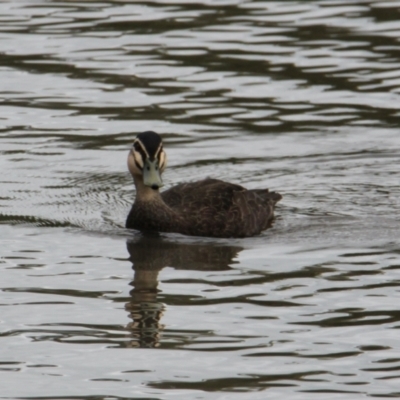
288 316
300 97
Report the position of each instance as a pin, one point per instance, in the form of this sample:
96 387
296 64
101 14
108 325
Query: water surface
301 97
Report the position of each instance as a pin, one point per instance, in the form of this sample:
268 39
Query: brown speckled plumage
209 207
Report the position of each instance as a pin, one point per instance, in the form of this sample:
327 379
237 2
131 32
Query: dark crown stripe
151 143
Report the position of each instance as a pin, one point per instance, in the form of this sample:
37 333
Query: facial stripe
138 158
138 146
158 151
161 158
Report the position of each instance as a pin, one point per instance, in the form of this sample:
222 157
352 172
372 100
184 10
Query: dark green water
301 97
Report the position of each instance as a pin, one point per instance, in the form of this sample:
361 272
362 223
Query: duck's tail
267 195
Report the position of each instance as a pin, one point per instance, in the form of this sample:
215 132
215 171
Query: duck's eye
148 168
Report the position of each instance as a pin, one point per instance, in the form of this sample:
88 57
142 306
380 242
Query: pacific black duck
209 207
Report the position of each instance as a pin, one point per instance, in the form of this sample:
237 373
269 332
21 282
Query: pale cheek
138 159
163 161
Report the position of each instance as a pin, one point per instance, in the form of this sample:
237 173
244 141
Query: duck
209 207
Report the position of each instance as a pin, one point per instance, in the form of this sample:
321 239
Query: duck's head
147 159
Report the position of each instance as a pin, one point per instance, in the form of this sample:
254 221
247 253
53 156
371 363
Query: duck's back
214 208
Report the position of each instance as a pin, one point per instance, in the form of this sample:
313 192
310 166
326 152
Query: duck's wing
252 211
221 209
189 197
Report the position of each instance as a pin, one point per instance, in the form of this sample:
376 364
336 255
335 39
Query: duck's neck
143 192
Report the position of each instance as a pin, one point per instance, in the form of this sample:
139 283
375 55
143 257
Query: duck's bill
151 174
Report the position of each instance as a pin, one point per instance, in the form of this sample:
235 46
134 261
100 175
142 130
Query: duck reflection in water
151 253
